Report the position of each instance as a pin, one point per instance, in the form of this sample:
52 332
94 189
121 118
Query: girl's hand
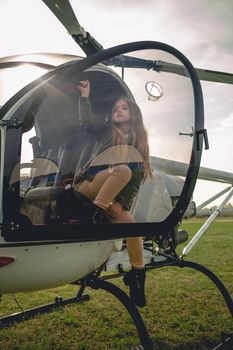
84 88
115 210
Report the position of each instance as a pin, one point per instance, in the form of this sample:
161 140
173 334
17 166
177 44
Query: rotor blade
65 14
13 64
161 66
158 65
203 74
215 76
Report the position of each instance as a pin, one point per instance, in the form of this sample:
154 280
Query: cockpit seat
41 204
48 205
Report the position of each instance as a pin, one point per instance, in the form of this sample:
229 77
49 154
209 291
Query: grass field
184 311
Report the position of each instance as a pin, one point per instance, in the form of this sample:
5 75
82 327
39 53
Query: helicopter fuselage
47 265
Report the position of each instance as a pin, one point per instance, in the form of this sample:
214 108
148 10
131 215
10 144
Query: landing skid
43 309
96 282
226 342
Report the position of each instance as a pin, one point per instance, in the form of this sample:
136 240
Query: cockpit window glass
121 131
14 79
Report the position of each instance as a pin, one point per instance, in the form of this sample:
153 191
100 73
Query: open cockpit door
46 142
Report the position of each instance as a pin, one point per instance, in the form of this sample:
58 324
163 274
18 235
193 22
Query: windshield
132 113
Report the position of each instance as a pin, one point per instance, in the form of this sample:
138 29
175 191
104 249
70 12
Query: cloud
224 124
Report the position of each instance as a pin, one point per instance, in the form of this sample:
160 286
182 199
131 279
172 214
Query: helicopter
42 244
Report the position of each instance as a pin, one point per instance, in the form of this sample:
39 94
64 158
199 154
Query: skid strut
98 283
218 283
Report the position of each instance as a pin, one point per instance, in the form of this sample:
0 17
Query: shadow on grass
202 343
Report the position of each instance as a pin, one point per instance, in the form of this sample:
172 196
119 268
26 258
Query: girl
120 162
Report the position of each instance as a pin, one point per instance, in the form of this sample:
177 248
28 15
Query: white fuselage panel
49 265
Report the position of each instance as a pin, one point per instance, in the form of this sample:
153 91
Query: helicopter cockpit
46 142
60 149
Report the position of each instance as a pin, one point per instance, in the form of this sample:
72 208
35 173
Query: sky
202 30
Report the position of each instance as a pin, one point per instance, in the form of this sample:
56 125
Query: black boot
98 215
91 213
135 279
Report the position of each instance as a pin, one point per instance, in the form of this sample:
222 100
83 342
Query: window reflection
58 144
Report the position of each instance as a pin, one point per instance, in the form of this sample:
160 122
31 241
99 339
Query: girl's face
121 112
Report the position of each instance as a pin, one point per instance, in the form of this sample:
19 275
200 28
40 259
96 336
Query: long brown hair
137 132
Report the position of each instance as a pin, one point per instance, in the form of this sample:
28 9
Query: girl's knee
124 172
86 189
